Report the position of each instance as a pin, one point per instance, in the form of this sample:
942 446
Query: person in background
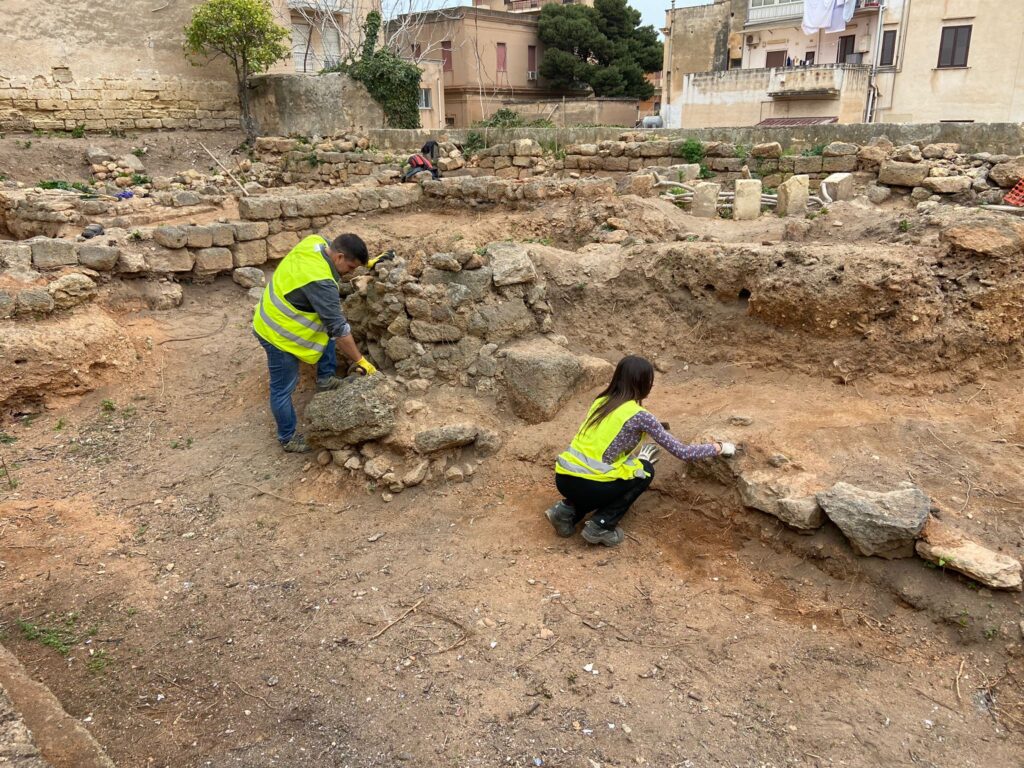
598 472
298 319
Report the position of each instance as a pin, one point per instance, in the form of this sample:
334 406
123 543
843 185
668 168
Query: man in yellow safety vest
299 318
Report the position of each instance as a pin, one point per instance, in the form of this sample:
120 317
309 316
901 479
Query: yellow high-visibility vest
279 323
585 455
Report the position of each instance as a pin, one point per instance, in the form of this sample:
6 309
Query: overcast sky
654 10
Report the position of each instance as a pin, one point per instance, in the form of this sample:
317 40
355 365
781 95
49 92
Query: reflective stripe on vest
278 322
585 457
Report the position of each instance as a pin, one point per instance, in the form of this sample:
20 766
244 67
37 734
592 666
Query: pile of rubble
472 319
121 170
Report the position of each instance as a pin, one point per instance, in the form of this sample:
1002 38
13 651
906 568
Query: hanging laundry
818 15
841 15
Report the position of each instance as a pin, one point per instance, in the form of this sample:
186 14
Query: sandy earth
234 605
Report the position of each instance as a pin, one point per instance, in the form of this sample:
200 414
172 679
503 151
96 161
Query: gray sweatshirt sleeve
326 302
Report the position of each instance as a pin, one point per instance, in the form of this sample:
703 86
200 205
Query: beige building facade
896 61
487 58
104 64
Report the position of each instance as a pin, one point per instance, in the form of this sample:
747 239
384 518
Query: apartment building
488 57
748 62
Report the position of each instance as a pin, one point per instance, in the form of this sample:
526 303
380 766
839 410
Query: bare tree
412 29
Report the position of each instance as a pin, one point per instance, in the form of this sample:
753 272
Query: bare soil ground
34 157
223 603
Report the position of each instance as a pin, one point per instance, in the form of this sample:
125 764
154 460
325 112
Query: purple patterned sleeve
632 431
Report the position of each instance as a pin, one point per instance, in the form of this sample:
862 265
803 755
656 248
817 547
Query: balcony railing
785 10
321 6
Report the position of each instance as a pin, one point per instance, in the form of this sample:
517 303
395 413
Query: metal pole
869 116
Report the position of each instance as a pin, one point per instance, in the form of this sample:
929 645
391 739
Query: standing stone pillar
747 204
705 200
793 194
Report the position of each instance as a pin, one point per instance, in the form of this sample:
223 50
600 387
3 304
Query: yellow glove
382 256
365 367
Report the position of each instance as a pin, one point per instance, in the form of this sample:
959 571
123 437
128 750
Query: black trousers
608 501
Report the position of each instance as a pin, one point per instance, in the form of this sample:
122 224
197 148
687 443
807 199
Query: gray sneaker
595 534
331 382
561 517
297 444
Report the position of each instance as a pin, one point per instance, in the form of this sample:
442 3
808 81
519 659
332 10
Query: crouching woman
598 472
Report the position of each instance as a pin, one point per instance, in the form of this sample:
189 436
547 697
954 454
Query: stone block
898 174
279 244
49 253
445 438
15 256
747 203
840 149
943 151
771 149
162 260
810 164
705 200
259 207
793 194
102 258
725 164
948 547
71 290
616 164
210 261
130 262
34 301
249 277
250 253
839 186
223 234
511 264
171 237
840 163
501 322
8 304
883 524
908 153
250 230
947 185
198 237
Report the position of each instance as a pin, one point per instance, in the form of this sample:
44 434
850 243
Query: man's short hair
352 246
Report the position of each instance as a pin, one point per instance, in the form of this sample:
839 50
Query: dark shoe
324 385
561 517
297 444
595 534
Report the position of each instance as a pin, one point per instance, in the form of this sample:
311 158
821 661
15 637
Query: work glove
727 449
364 367
649 452
389 254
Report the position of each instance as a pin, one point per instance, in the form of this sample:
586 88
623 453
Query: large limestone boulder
1009 173
949 548
361 409
446 437
788 497
883 524
71 290
988 236
897 174
511 264
540 377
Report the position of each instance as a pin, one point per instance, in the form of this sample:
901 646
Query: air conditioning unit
753 39
531 75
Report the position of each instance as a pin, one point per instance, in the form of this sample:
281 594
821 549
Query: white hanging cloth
841 15
818 14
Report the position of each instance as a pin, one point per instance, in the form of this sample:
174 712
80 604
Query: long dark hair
632 380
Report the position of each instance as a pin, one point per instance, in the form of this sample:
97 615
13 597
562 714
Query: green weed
98 661
904 225
62 637
108 406
139 179
78 132
59 425
6 439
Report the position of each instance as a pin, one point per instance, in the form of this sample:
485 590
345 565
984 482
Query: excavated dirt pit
222 603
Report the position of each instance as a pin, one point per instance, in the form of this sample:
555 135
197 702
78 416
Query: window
417 51
954 47
531 58
735 63
809 58
332 46
846 45
302 57
888 48
775 59
425 100
502 58
446 55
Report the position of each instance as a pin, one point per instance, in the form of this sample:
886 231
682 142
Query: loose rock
882 524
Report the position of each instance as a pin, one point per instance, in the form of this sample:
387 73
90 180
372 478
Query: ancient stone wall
304 105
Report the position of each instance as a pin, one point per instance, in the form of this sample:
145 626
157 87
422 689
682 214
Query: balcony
824 81
761 12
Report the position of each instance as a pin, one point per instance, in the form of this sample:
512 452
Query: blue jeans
284 377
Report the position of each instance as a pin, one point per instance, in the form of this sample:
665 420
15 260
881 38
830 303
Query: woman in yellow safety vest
598 472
